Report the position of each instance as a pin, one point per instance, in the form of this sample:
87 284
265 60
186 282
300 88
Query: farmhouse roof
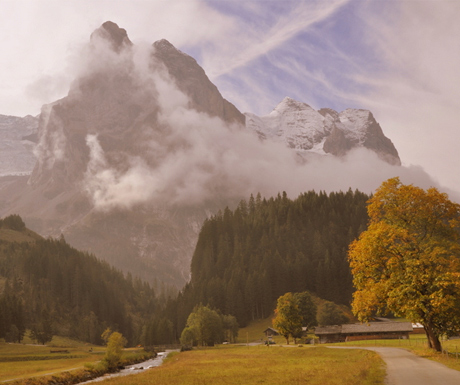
377 327
371 327
332 329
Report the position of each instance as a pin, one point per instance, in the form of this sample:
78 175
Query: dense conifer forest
246 258
49 287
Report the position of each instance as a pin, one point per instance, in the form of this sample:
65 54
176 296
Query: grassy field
254 331
18 236
230 364
23 361
417 343
227 364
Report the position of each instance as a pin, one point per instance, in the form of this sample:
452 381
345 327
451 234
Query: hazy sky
398 58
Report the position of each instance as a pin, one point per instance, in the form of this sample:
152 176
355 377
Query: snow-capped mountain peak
296 123
326 131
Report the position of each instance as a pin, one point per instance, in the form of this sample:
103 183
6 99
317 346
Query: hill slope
45 283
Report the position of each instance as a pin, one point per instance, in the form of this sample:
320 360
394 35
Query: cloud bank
398 59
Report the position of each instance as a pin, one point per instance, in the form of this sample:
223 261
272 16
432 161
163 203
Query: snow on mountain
324 132
295 123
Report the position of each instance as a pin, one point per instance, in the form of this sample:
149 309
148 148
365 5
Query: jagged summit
290 104
164 44
112 33
325 131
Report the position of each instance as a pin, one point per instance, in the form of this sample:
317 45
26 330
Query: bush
115 345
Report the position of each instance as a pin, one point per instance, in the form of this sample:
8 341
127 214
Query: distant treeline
246 258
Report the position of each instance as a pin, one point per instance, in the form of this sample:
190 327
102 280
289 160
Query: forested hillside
246 258
49 287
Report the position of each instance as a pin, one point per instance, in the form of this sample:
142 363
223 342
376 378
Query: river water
134 369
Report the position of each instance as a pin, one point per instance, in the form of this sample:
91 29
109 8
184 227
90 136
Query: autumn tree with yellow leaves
408 260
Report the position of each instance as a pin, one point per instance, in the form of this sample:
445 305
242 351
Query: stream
134 369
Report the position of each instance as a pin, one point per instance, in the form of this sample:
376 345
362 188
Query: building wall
380 336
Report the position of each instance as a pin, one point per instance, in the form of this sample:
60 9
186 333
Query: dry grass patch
264 365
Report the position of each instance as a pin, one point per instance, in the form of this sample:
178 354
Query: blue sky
312 60
398 58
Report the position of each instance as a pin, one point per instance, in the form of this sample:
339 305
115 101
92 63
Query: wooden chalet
270 332
367 331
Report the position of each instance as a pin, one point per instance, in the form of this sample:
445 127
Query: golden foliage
407 261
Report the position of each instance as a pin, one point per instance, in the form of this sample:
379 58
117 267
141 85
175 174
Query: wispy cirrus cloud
252 39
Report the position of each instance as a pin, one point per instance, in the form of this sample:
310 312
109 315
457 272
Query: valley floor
232 364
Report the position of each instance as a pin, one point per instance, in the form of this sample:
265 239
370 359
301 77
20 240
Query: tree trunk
428 339
433 340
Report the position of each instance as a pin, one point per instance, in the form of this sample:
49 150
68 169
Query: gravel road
406 368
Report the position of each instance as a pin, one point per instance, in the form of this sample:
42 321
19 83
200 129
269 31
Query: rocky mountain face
326 131
113 157
110 123
18 137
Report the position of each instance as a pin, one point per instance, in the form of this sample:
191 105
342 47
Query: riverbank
136 368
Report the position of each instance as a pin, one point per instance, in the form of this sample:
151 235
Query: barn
366 331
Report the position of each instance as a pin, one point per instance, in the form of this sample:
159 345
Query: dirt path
406 368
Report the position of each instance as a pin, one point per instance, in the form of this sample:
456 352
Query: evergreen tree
246 258
42 331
